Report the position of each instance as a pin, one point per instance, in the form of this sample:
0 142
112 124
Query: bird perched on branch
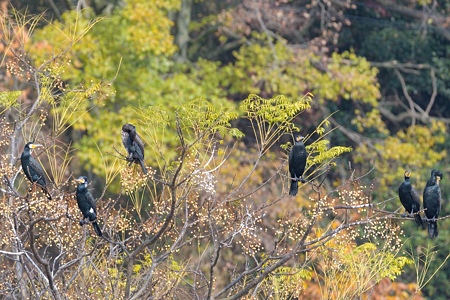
86 204
33 169
134 146
409 198
432 202
297 163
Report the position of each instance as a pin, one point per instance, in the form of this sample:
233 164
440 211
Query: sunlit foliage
418 148
212 217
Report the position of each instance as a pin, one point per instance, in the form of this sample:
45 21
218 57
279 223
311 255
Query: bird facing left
86 204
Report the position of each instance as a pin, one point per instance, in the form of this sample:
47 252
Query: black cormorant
297 163
134 146
409 198
86 204
432 202
32 169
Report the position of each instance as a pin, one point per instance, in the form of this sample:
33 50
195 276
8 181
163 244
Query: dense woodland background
202 81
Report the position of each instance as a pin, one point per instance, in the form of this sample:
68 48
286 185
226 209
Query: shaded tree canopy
202 82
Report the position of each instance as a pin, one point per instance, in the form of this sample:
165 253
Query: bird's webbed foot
301 179
411 215
83 222
433 219
129 158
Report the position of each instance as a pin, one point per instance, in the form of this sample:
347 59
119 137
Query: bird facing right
297 163
409 198
432 202
134 146
33 169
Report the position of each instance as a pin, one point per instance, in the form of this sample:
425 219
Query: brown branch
55 10
439 21
173 189
415 111
407 96
214 256
434 94
404 115
45 263
269 35
299 247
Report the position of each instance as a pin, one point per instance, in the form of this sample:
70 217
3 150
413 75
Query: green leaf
9 99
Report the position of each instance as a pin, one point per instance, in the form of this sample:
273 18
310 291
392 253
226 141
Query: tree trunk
182 33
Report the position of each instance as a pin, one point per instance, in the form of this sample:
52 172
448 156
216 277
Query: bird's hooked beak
408 174
299 138
80 180
438 178
32 146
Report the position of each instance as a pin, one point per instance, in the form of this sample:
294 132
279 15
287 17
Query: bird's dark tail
97 229
293 190
144 169
418 219
49 197
432 229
